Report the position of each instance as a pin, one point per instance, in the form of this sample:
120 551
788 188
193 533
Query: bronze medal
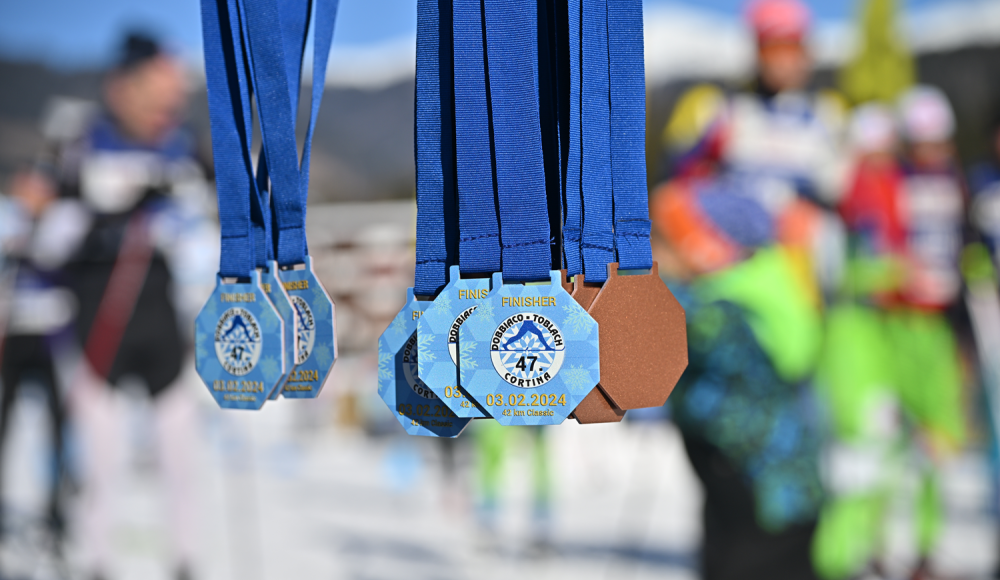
643 339
596 407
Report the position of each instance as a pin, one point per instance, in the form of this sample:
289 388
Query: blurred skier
777 135
134 193
776 141
892 369
744 405
38 308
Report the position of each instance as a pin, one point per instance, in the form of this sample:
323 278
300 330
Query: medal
316 341
635 309
536 353
239 345
239 335
275 291
596 407
415 406
437 335
536 350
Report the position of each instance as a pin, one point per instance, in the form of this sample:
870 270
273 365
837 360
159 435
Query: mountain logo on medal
237 341
527 350
305 328
410 369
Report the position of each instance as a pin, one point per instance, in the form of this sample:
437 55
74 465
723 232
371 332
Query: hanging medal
634 309
239 335
479 245
316 345
537 352
417 408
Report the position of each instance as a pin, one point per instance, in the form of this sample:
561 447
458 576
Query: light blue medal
414 405
316 346
479 244
239 336
536 353
437 336
283 305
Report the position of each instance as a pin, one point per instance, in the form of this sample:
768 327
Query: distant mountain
363 146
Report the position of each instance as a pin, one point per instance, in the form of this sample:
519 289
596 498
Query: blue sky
82 33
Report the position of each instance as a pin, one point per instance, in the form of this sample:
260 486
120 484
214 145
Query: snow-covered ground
286 493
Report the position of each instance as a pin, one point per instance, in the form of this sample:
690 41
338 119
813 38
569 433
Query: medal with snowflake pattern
239 344
440 350
413 404
536 355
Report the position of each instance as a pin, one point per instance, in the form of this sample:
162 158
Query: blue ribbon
548 101
573 226
479 242
272 75
598 225
512 52
628 134
226 84
434 147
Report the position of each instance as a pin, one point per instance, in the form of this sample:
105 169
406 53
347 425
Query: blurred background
859 138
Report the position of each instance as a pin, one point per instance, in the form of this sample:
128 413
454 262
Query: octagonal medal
596 407
239 345
644 339
413 404
437 339
276 292
316 342
536 354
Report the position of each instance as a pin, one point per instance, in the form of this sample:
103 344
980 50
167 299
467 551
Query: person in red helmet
775 140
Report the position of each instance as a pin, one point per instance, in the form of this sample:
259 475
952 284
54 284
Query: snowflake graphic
466 349
200 350
577 319
485 312
424 352
384 365
576 378
268 324
320 303
398 325
443 301
270 368
210 310
323 356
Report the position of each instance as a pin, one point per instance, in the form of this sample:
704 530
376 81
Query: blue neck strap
479 242
434 143
628 134
289 183
573 226
598 227
226 83
549 91
512 54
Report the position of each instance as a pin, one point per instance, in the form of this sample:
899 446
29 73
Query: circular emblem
237 341
305 328
453 332
410 369
527 350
